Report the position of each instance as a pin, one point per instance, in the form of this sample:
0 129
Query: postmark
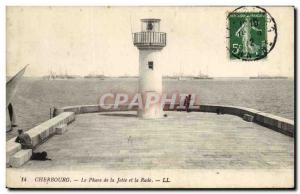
252 33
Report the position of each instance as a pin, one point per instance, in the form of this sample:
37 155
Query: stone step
20 158
40 133
11 148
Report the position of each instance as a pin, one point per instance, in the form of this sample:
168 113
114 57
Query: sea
35 96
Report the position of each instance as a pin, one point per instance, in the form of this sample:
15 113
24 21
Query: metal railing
144 39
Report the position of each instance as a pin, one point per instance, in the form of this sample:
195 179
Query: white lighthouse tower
150 41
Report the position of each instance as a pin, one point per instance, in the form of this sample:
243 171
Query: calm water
35 96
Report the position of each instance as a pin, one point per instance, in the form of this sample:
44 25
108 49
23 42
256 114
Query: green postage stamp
248 34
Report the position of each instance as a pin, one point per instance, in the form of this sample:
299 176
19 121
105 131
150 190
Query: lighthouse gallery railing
150 39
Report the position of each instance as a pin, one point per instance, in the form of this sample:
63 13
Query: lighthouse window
150 65
149 26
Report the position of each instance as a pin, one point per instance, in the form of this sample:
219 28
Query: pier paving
121 141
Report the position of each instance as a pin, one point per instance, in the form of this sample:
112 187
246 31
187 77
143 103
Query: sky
97 40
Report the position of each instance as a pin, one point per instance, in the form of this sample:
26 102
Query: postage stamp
252 33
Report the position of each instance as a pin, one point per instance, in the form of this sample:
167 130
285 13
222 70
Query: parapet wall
279 124
81 109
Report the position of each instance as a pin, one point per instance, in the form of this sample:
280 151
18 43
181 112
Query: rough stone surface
182 140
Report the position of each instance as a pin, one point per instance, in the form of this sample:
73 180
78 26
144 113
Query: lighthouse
150 41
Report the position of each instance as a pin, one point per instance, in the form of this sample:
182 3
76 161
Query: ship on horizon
202 76
268 77
188 77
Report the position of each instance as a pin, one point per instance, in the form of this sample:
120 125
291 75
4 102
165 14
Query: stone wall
282 125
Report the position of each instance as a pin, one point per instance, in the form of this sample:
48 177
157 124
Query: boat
91 76
267 77
202 76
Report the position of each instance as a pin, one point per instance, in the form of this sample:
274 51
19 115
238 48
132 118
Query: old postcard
150 97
